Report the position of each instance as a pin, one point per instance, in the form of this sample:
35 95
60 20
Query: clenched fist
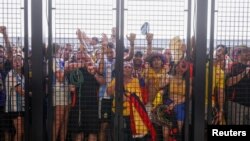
131 37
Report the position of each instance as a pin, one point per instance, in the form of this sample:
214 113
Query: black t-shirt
83 117
89 88
242 88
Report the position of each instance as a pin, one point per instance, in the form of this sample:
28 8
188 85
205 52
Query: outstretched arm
103 50
236 79
113 35
149 38
131 39
5 36
83 39
99 78
111 88
81 36
6 40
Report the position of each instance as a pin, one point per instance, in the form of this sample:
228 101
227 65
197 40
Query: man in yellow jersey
218 92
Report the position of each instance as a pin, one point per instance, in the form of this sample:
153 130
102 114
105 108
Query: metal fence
122 70
14 77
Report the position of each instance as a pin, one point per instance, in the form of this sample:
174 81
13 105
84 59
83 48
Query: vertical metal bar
189 29
118 126
37 70
210 72
50 72
199 70
26 73
187 99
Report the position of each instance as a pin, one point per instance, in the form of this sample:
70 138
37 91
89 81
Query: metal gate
89 28
122 70
229 46
15 76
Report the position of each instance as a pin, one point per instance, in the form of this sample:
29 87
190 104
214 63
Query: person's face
67 51
17 62
110 53
93 42
91 67
14 50
167 54
137 60
220 53
181 68
243 56
98 54
157 63
127 70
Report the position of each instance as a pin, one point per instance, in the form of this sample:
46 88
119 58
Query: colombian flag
140 122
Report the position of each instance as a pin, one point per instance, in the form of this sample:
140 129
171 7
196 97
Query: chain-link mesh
78 29
157 71
160 66
12 101
231 53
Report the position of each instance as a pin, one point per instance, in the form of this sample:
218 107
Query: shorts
13 115
105 109
180 112
3 119
6 122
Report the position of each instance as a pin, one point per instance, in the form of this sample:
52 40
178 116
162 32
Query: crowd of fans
155 89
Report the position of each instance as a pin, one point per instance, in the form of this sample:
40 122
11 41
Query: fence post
50 73
187 98
27 117
210 72
37 70
199 70
118 119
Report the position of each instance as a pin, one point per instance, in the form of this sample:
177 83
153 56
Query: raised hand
131 37
2 29
79 34
149 37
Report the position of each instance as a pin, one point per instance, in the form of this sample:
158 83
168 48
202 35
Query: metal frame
210 72
26 72
37 70
50 73
198 102
187 103
37 60
118 119
38 93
